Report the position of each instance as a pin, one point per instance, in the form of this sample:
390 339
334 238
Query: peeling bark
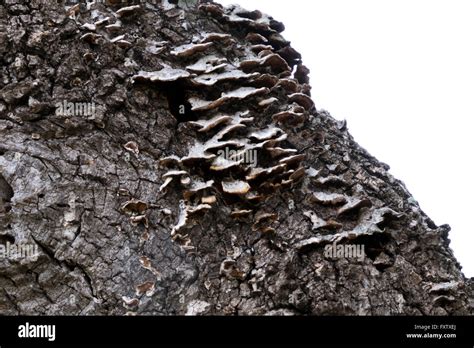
134 212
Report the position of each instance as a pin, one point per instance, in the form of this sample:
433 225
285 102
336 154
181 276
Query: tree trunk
184 169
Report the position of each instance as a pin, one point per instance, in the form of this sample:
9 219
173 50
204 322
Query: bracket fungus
260 48
267 133
239 214
264 80
73 11
215 161
354 204
289 117
166 183
264 217
262 223
173 173
298 174
278 151
255 21
117 38
156 47
101 22
220 164
182 219
315 219
185 221
229 269
209 200
139 219
256 173
212 8
302 99
169 176
132 147
239 93
212 37
91 38
292 159
145 262
147 288
114 27
319 223
289 85
267 102
89 26
227 75
272 60
207 65
127 11
130 302
256 38
197 186
301 74
134 206
166 74
292 56
207 125
236 187
190 49
199 208
367 226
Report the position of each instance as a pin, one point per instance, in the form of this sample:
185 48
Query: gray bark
85 188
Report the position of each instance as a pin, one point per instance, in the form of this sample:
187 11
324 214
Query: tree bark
221 236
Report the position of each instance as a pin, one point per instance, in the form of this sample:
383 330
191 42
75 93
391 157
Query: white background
402 73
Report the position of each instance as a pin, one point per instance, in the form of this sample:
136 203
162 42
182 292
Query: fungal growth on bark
204 181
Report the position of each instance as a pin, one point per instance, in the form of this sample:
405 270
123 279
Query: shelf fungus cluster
367 218
241 154
102 28
137 212
226 172
369 223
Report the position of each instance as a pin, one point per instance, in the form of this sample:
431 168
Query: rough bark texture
218 237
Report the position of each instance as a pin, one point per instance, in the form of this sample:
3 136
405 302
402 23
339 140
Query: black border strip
289 331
